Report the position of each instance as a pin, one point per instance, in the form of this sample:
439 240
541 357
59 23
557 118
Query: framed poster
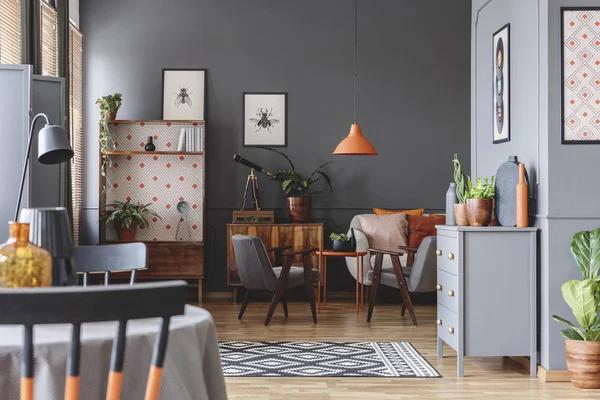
184 94
580 65
265 119
501 83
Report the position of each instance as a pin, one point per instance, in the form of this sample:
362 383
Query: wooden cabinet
299 236
486 283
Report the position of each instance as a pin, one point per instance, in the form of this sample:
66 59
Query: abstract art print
501 83
184 94
580 75
265 119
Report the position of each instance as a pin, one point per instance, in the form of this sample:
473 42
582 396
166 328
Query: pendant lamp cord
355 59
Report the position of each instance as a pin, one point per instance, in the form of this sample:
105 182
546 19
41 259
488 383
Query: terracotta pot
127 234
583 363
299 208
479 211
460 215
494 219
113 115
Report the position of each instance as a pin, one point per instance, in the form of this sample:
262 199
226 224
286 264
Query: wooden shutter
76 124
10 31
49 40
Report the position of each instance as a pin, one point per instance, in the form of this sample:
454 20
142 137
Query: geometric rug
319 359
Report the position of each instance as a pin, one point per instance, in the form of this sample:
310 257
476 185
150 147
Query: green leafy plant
483 189
294 184
583 297
108 105
339 236
459 179
123 214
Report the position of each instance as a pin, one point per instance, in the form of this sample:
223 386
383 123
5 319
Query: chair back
255 269
35 306
110 258
423 274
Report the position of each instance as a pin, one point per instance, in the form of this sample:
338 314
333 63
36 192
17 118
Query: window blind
10 31
49 40
76 124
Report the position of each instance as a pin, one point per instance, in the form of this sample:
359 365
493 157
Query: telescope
239 159
252 181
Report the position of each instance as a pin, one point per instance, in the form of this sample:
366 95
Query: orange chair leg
26 388
153 387
113 390
72 388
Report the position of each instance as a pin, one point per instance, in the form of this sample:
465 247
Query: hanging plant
109 105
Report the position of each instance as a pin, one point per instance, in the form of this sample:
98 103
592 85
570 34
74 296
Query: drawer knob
438 287
451 293
450 256
451 331
439 322
438 252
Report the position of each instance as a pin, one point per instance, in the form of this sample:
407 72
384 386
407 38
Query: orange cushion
381 211
419 227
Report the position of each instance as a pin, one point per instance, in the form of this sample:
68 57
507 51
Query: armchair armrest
408 249
388 252
280 248
293 253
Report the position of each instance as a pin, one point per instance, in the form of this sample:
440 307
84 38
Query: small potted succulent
299 190
126 217
460 209
341 242
479 199
583 297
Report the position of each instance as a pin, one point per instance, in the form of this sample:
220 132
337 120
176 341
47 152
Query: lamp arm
26 163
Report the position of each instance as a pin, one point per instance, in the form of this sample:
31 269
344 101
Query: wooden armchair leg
245 304
280 289
374 284
284 304
402 310
309 285
403 290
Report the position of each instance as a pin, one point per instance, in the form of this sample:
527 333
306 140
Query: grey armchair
421 277
258 275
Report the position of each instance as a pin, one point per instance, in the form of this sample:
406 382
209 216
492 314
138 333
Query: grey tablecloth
192 367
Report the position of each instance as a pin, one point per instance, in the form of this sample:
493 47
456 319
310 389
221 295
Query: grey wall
413 95
567 186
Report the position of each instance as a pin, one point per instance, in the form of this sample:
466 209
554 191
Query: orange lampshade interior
355 144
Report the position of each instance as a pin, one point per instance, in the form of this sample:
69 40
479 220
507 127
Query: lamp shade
53 145
355 144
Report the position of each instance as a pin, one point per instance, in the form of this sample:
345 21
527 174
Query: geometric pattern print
134 135
318 359
161 179
581 66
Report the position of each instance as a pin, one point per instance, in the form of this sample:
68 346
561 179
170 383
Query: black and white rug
318 359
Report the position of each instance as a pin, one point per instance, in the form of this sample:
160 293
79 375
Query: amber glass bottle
23 264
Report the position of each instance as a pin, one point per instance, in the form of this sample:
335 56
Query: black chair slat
160 346
73 361
118 350
27 360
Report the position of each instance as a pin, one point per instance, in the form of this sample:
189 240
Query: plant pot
127 234
583 363
479 211
112 116
341 246
460 215
299 208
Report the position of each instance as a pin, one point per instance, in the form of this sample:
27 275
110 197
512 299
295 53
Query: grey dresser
487 299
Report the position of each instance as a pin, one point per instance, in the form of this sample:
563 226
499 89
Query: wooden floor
485 378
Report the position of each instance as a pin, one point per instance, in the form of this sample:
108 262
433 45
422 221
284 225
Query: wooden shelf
169 242
127 152
137 121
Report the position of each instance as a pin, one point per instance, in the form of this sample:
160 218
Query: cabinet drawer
447 254
448 293
448 329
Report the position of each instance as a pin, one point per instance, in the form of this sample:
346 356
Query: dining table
192 369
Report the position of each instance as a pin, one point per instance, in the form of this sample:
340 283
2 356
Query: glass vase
23 264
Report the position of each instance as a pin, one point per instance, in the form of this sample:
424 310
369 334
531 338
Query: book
181 144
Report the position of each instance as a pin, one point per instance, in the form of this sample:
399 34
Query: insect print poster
184 94
265 119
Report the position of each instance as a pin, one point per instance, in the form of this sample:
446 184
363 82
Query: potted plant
583 297
460 209
126 217
299 190
479 201
341 242
109 105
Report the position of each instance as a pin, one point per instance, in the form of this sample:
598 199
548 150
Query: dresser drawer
447 290
447 254
448 329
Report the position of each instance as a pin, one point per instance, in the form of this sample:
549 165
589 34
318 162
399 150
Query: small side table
323 254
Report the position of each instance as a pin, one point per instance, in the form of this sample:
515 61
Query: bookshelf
164 177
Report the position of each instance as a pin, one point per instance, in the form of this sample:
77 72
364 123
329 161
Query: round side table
323 255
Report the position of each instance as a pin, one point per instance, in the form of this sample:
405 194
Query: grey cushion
253 263
296 277
388 277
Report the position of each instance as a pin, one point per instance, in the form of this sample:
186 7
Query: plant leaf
581 297
592 335
280 153
564 321
571 334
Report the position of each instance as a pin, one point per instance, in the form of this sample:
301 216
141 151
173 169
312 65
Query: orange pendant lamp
355 144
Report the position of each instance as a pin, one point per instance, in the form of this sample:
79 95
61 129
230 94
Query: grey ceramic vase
507 178
50 228
451 200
